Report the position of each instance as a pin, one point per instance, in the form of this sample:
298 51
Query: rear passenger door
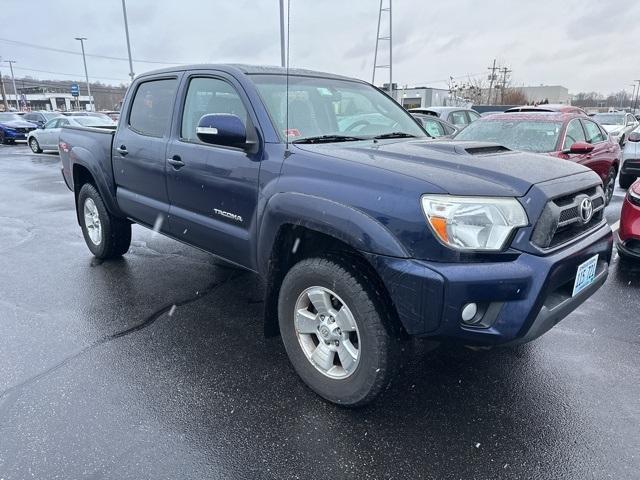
213 189
600 159
139 151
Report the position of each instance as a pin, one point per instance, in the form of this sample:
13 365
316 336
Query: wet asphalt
101 377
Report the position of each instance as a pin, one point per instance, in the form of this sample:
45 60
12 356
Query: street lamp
13 79
126 31
86 75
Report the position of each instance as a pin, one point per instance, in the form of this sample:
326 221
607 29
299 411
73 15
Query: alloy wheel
92 221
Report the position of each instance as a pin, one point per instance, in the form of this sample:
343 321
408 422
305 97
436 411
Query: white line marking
615 226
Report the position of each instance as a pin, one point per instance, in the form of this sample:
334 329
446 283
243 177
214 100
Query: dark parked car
40 117
570 136
13 127
630 168
362 239
436 127
459 117
628 237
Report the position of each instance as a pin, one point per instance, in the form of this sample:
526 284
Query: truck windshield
333 110
529 136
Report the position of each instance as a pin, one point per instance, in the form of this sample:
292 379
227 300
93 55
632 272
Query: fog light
469 312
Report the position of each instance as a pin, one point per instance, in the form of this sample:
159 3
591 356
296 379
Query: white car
630 164
617 124
46 137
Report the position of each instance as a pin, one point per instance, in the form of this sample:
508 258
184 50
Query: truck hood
458 168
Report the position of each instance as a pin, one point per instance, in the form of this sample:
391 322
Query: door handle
122 150
176 162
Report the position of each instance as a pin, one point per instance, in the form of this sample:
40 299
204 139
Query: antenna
286 132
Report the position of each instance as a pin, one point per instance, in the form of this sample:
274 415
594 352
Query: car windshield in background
9 117
530 136
609 118
91 121
49 116
333 110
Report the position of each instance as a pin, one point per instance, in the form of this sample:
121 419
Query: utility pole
283 60
13 80
505 71
384 38
126 31
492 78
86 75
4 94
636 100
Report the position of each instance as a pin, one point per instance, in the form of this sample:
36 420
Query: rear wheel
625 181
3 138
609 185
105 235
332 324
35 146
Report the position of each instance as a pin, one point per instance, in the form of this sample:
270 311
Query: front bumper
521 299
14 135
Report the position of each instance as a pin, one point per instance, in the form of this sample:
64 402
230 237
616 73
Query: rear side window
594 134
152 105
458 118
473 116
205 96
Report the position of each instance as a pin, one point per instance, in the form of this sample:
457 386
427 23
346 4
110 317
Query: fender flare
102 181
347 224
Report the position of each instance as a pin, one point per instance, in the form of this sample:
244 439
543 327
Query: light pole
636 100
633 94
13 79
126 31
86 75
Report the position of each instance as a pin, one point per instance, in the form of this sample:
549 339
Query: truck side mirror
222 129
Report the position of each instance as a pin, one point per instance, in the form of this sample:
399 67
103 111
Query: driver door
48 139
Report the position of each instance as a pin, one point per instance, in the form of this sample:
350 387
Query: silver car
617 124
460 117
46 136
630 165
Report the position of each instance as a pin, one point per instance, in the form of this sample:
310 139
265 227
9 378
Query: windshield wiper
328 139
394 135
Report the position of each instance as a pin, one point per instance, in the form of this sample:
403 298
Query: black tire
609 185
115 237
35 146
3 139
625 181
379 352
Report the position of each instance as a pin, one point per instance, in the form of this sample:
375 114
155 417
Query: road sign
75 89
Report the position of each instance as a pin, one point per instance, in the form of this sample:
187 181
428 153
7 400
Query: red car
570 136
629 233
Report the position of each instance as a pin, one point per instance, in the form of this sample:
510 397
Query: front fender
345 223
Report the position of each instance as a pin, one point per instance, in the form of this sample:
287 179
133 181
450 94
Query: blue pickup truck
365 231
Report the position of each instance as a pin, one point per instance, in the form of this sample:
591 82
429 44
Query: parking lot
156 366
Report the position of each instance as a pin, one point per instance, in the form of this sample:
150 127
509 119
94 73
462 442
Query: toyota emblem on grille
586 210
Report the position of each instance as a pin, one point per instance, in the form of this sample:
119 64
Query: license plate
585 275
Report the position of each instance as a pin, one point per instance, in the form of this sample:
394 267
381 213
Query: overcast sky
581 44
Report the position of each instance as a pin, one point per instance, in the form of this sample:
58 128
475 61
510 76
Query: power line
66 74
94 55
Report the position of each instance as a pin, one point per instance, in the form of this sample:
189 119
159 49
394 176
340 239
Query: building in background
43 98
550 93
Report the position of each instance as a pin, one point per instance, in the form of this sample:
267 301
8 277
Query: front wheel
35 147
105 235
609 185
332 323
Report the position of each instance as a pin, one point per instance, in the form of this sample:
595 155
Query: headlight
473 223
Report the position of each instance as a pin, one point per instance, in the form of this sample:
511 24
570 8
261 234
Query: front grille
561 220
24 129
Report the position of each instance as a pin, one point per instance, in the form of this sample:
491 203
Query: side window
31 117
631 119
458 118
473 116
574 134
433 127
151 108
62 122
594 134
205 96
51 123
